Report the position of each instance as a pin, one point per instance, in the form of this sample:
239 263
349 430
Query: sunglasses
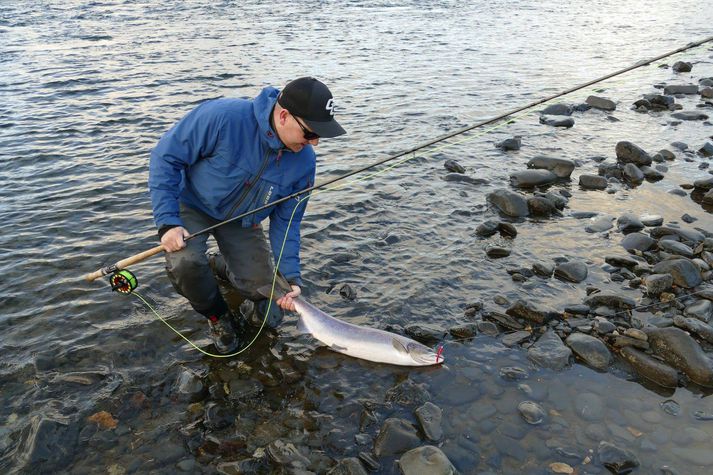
308 134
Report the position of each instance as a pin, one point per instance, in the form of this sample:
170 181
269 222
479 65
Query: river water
86 90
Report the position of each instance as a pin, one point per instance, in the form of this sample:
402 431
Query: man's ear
283 116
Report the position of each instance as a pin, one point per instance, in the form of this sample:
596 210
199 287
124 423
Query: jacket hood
262 108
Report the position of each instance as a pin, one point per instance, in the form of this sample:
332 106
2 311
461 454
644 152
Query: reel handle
122 264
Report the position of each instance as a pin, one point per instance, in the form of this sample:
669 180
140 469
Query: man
227 157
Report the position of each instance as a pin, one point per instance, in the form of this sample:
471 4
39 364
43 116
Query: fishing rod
125 281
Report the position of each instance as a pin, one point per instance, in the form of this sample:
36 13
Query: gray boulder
550 352
572 271
637 241
632 174
680 89
627 152
532 178
557 121
592 350
541 206
559 166
601 103
684 272
453 166
681 351
593 182
426 460
700 310
675 247
509 203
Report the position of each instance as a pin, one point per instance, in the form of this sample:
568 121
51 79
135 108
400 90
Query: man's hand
173 241
287 302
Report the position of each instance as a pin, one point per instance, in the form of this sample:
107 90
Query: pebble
531 412
550 352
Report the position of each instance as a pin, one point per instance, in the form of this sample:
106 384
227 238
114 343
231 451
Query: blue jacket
224 159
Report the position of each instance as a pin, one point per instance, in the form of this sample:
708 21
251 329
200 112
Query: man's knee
186 264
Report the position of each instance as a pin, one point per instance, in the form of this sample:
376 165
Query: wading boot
222 332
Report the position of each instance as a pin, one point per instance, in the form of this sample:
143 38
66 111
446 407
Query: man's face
295 134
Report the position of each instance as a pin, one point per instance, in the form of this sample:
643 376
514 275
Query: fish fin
338 348
399 346
281 283
267 292
301 327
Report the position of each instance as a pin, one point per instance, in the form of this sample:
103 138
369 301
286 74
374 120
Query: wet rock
629 223
495 252
531 412
190 387
460 178
622 341
426 460
466 330
681 351
650 174
601 103
515 338
622 261
590 349
701 457
680 89
544 270
511 323
707 149
550 352
617 460
512 373
572 271
510 144
694 325
700 310
453 166
285 453
682 66
603 326
651 220
650 368
675 247
244 389
689 115
684 272
425 334
241 467
539 206
429 417
527 311
395 437
687 235
703 184
507 230
486 229
589 406
688 218
557 109
348 466
660 102
599 224
632 174
562 168
509 203
532 178
488 328
706 92
610 299
555 121
627 152
593 182
658 283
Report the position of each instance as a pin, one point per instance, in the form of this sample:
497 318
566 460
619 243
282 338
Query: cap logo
330 106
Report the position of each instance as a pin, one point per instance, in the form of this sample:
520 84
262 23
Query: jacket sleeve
284 230
195 136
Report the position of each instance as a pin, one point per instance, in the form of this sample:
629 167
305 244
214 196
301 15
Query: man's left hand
287 302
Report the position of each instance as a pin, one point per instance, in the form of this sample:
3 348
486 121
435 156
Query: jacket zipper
249 185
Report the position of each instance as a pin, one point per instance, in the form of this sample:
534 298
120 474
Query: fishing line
407 155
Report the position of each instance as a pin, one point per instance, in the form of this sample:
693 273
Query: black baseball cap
311 101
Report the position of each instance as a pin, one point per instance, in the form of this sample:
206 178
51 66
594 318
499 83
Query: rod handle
124 263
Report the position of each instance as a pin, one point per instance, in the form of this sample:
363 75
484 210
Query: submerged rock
681 351
348 466
426 460
557 109
531 412
453 166
557 121
395 437
46 444
617 460
510 144
550 352
527 311
689 115
285 453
